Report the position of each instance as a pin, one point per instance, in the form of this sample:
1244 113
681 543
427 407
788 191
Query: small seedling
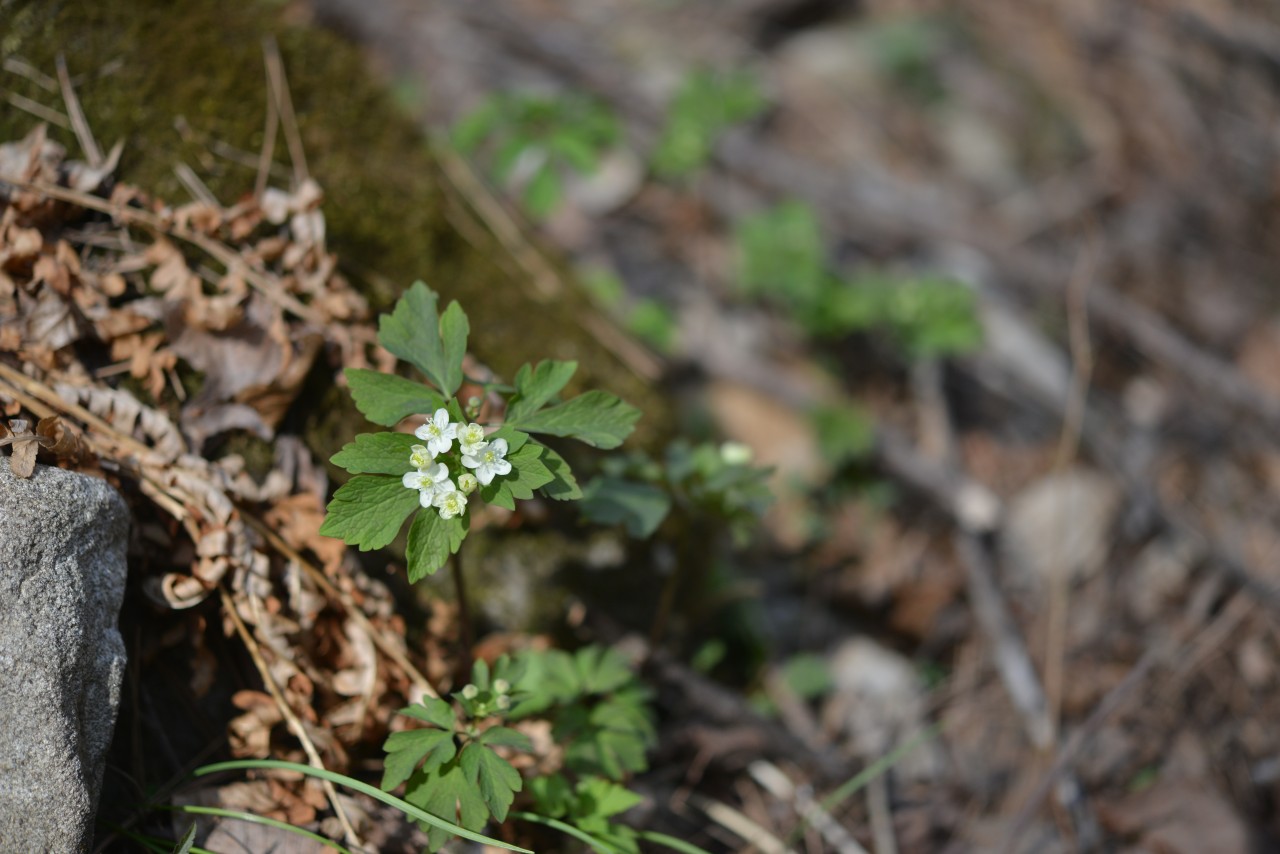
707 104
529 141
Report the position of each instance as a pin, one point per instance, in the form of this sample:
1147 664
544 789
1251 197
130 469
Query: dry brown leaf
25 446
171 276
61 442
297 519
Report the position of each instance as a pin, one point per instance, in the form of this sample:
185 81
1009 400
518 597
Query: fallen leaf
24 447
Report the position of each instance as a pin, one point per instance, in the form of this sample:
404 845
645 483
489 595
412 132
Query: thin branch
269 133
284 103
40 111
79 124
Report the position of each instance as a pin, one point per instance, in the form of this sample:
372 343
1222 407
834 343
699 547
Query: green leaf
527 474
535 386
431 541
514 438
543 192
432 710
640 507
471 129
377 453
386 398
562 486
413 332
601 669
497 781
602 798
501 736
454 329
552 795
597 418
449 794
368 510
188 839
405 750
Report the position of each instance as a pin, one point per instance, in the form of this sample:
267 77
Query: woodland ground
1057 546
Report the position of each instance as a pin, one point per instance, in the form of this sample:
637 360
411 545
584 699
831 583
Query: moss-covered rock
185 83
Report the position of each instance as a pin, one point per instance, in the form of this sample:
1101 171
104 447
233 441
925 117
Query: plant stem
464 615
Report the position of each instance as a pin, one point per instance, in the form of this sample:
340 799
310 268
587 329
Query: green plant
713 482
781 259
706 104
599 717
451 767
530 140
396 474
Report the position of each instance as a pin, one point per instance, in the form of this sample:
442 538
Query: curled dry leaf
60 441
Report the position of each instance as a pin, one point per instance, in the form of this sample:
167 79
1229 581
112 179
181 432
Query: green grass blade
363 788
866 775
567 829
671 842
240 815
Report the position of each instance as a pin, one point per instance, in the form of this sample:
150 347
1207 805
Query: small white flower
501 686
503 702
438 433
471 438
451 503
429 482
470 692
488 461
467 483
420 457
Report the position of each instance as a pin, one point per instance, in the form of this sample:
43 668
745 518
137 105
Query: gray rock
62 575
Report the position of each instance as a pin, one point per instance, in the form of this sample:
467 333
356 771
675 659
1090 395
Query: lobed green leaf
597 418
432 710
386 398
562 486
407 749
377 453
414 331
431 541
497 781
454 329
368 510
448 794
537 385
640 507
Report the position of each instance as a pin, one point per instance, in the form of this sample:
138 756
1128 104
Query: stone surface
62 576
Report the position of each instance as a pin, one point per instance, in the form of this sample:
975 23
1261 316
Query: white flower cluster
431 478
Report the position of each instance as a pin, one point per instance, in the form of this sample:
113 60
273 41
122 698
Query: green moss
148 67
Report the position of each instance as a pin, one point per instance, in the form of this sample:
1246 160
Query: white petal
501 467
499 447
413 480
471 461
